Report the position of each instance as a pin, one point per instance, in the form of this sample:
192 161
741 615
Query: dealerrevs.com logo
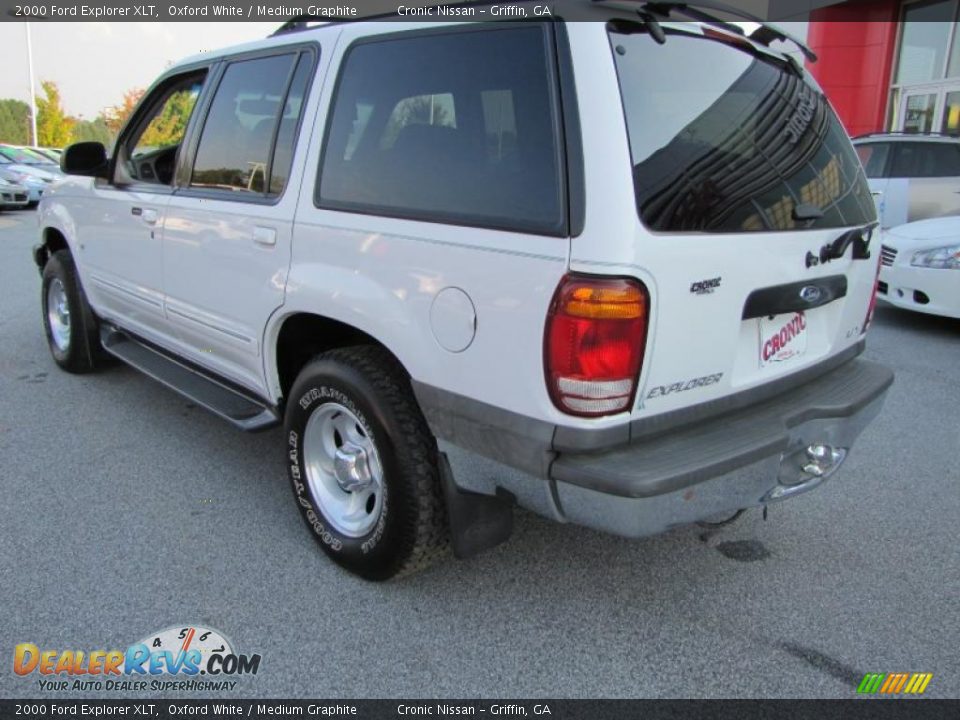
179 658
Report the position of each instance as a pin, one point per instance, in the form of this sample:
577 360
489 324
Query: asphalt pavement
126 510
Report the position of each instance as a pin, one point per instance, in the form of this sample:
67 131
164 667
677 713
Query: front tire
72 330
363 464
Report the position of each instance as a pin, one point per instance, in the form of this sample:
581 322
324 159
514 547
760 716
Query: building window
925 96
926 36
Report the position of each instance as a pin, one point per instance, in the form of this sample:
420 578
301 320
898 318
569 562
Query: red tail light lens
595 338
873 301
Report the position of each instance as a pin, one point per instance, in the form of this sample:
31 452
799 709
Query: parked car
920 266
916 176
475 265
34 180
23 156
52 154
12 196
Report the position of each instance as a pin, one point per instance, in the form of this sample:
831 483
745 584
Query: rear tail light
595 338
873 302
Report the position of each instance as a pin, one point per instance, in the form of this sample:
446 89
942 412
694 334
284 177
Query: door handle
265 236
148 215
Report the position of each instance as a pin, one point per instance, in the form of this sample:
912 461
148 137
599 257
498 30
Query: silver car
30 177
912 176
30 158
12 196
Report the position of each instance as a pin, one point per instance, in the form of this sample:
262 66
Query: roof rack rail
298 23
906 132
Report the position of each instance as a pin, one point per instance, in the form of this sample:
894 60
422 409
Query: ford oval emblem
810 293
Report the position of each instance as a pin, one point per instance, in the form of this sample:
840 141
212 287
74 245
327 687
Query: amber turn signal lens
620 300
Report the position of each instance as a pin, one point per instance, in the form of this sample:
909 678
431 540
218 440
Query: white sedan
12 196
920 266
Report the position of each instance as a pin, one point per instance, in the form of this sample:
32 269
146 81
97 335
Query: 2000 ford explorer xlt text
616 271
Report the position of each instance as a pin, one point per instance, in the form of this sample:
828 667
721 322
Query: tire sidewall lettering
306 404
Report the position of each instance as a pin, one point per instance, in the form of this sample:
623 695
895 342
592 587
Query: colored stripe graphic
871 683
894 683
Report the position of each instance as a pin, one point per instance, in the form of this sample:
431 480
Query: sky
95 63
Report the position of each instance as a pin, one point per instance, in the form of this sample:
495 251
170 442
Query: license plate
782 338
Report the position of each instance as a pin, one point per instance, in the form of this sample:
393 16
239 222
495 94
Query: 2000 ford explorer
617 271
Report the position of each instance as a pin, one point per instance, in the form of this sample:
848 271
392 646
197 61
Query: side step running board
217 396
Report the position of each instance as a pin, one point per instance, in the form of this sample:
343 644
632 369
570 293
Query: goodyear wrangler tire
71 328
363 464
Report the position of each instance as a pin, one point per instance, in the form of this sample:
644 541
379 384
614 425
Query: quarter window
456 127
873 157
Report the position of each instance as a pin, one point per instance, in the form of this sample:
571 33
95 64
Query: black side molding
794 297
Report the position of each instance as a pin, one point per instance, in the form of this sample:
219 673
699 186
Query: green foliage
419 110
14 122
117 116
168 127
54 126
95 130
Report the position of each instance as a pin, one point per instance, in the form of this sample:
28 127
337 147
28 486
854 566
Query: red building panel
856 44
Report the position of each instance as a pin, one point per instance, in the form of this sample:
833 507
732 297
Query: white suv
476 265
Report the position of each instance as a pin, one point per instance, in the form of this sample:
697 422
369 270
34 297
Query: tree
54 126
95 130
117 116
14 122
168 127
419 110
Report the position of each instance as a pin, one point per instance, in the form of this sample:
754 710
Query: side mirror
85 158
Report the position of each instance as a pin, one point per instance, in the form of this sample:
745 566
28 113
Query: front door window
148 151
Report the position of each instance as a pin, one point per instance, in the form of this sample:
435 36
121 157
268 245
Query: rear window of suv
457 127
723 140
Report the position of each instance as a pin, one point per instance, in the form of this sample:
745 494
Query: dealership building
885 64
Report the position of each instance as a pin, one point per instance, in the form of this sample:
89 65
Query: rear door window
246 146
456 127
726 140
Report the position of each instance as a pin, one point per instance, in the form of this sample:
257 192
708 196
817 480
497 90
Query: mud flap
477 522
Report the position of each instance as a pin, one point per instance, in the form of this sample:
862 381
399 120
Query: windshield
24 157
723 140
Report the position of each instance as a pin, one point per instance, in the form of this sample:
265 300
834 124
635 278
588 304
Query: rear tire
72 330
363 464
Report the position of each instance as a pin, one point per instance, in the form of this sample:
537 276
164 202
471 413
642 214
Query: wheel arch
52 240
299 336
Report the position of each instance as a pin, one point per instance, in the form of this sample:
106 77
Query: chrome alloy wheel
343 470
58 314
